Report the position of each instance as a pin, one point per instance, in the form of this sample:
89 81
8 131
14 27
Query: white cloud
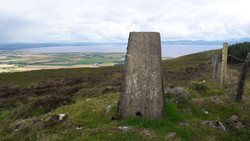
112 20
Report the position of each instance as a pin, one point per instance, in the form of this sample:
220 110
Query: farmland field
12 61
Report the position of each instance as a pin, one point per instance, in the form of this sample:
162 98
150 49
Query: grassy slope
24 79
39 94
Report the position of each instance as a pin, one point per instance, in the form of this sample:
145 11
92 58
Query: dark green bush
239 50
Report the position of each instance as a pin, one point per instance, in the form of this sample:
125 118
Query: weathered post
142 87
216 63
242 79
224 63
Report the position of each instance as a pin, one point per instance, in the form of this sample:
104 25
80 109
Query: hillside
29 102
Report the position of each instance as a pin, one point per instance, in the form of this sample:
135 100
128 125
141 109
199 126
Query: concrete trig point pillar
142 87
224 63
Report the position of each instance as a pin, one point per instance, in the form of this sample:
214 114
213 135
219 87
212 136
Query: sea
167 50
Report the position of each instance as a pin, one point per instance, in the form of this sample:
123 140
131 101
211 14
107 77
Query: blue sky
112 20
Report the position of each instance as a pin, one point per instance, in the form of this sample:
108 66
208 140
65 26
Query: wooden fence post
224 64
242 79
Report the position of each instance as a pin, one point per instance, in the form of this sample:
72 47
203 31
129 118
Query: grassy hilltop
89 97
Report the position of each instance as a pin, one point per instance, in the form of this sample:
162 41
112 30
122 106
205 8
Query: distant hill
16 46
204 42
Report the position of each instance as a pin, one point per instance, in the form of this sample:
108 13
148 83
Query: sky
112 20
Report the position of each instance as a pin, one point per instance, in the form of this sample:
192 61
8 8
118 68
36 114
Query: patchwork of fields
12 61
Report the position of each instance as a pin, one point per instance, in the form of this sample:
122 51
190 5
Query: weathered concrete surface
142 88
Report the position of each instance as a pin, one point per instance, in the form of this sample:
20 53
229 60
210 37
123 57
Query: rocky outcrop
54 120
180 95
108 108
233 122
170 136
216 100
124 128
214 124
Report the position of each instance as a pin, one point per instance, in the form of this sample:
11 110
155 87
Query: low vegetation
89 97
239 50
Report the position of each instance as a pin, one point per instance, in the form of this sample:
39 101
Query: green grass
56 64
5 67
165 124
7 59
92 60
58 60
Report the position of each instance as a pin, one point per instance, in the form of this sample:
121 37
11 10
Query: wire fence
232 76
236 72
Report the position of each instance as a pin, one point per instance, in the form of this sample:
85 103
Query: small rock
108 108
234 118
170 135
19 124
216 100
115 102
204 81
147 132
21 121
205 111
94 110
124 128
198 101
88 99
234 123
62 117
180 93
79 128
214 124
54 119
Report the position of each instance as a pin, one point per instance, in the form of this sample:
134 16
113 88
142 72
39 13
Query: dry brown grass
106 65
2 57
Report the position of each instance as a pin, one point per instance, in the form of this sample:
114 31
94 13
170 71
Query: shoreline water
167 50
